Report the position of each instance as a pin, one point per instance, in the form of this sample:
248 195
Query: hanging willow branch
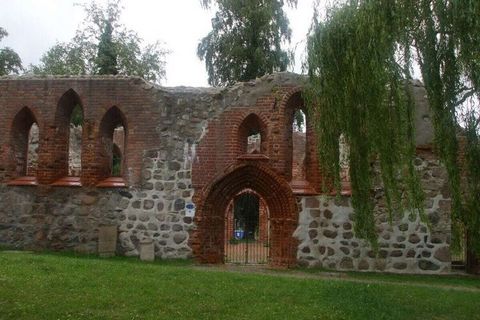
359 61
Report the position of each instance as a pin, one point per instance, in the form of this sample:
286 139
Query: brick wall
50 101
180 145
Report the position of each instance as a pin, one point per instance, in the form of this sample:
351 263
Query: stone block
147 250
107 241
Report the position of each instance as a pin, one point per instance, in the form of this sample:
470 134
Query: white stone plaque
147 250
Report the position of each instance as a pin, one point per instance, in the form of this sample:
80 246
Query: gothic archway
208 239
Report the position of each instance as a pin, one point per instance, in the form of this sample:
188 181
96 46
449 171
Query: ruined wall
181 142
163 129
163 126
407 245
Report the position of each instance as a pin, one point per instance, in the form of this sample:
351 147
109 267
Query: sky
36 25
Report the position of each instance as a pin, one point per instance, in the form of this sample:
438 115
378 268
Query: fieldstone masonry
157 210
408 245
180 145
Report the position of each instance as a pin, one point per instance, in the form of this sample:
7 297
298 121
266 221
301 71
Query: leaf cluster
360 89
10 61
102 45
246 40
359 61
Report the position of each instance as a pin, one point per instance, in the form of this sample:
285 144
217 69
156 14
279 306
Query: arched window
68 139
24 141
299 139
252 135
111 148
301 163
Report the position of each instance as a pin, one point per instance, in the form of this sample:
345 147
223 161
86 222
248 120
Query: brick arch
113 118
67 102
65 106
208 239
292 101
19 135
250 124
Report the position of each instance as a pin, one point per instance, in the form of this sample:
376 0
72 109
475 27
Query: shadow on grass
84 256
439 279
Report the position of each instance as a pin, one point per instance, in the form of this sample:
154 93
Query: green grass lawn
407 279
55 286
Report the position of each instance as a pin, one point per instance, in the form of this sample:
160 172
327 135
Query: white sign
190 210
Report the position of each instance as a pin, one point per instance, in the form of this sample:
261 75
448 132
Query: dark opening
252 135
247 229
113 135
69 130
116 161
24 143
246 214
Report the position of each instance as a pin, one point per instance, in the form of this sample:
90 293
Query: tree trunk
473 260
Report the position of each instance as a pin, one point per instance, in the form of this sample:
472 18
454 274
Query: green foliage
446 36
116 165
246 40
107 57
299 120
77 116
358 89
472 157
62 58
10 61
359 62
104 46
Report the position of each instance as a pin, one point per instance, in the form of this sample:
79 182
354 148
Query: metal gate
247 228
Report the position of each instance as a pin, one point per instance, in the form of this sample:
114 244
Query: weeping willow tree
360 58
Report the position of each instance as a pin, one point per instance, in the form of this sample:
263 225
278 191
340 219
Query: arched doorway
208 240
247 229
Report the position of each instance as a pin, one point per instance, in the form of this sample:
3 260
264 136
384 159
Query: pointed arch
252 126
209 237
112 142
68 135
302 165
20 142
263 215
65 107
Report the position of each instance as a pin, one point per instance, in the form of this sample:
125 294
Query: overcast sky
35 25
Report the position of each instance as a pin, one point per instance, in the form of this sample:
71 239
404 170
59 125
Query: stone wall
408 245
162 130
68 219
56 218
157 210
186 145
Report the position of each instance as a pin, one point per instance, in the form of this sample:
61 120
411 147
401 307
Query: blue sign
190 209
239 234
